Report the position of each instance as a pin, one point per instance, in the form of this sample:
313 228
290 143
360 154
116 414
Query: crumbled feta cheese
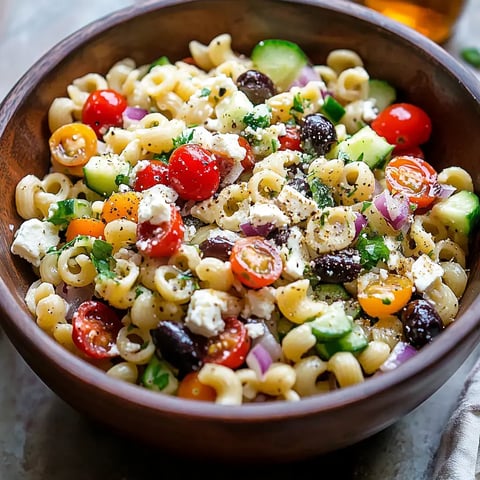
370 111
154 206
220 232
227 144
255 330
33 239
295 255
263 213
202 136
260 303
297 206
204 315
425 272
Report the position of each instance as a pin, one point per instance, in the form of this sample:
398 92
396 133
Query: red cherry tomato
191 387
291 140
404 125
152 174
230 347
103 109
248 161
161 240
193 172
408 152
255 262
413 177
95 329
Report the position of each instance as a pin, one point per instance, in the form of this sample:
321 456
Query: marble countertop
41 437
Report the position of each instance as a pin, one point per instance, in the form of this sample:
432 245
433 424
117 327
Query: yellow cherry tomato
121 205
380 296
71 147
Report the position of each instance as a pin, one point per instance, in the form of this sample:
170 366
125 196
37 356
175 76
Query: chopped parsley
321 193
372 250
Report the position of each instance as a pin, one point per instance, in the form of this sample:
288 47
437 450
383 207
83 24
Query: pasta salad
235 229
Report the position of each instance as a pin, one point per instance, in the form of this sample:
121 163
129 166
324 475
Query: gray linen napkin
458 456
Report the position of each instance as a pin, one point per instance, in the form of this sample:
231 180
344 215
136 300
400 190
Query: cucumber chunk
101 173
281 60
63 211
365 145
330 292
460 211
383 93
354 341
334 323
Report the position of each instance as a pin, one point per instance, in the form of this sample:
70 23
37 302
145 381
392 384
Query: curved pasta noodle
135 345
126 371
214 273
25 193
445 301
352 84
372 358
457 177
455 277
346 368
226 383
174 285
297 342
307 372
75 266
341 59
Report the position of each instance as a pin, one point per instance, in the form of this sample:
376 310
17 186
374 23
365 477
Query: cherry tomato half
151 174
230 347
403 124
381 297
95 329
103 109
292 139
225 164
413 177
255 262
408 152
193 172
161 240
71 147
191 387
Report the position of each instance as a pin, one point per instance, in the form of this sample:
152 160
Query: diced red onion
307 74
270 343
400 354
134 113
442 190
253 230
360 223
394 208
74 296
259 359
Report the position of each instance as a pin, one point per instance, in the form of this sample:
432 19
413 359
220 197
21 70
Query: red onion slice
251 230
400 354
307 74
442 190
259 360
74 296
360 223
270 343
394 208
134 113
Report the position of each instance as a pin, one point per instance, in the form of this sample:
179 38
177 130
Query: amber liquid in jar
433 18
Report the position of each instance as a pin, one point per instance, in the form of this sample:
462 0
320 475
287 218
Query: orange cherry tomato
95 329
121 205
191 387
255 262
230 347
84 226
71 147
381 297
161 240
413 177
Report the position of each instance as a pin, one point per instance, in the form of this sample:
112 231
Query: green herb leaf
372 250
163 60
322 194
185 137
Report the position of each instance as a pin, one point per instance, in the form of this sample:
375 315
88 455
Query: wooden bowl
424 74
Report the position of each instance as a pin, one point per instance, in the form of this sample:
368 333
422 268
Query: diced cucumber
283 327
365 145
281 60
334 323
460 211
159 376
330 292
354 341
332 109
383 93
62 212
101 173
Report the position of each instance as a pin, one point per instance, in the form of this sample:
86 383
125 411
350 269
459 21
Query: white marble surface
43 438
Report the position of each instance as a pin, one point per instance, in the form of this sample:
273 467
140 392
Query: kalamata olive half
337 267
257 86
421 322
218 247
178 346
318 134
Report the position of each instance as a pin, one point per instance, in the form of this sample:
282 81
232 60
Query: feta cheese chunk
297 206
263 213
425 272
295 255
33 239
154 206
204 315
259 303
